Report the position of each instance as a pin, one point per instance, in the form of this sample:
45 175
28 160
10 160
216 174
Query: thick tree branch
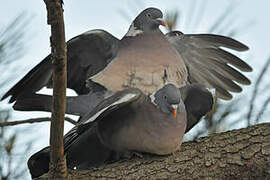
237 154
55 18
33 120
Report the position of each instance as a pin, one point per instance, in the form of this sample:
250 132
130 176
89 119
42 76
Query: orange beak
162 22
175 109
175 113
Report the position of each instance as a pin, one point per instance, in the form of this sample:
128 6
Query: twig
254 93
265 104
33 120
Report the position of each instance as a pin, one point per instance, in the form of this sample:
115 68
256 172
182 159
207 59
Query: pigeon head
168 99
147 21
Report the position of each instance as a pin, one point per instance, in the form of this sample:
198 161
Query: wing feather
209 64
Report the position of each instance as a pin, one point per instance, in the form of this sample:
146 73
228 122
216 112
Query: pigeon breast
147 62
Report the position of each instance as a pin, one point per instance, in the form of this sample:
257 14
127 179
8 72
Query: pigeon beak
162 22
174 113
175 108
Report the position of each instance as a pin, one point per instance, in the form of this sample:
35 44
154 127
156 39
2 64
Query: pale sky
84 15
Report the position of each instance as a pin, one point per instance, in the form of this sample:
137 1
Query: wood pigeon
144 58
128 121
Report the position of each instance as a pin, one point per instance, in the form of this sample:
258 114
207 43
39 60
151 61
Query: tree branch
237 154
55 18
33 120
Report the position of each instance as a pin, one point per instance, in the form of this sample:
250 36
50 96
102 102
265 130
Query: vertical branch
58 53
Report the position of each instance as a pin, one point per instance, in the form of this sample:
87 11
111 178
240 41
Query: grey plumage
146 59
138 60
128 115
208 64
197 99
75 105
87 54
198 102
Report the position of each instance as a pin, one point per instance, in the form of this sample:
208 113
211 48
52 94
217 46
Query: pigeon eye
165 97
148 15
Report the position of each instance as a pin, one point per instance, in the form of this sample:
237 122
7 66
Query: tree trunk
58 44
237 154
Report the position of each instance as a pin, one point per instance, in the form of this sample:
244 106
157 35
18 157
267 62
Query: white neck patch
152 97
133 31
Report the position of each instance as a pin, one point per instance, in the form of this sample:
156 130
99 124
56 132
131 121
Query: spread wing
209 64
87 54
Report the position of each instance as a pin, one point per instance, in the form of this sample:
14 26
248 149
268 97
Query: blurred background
24 42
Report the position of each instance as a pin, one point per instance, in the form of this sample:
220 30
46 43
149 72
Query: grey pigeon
126 122
144 58
89 53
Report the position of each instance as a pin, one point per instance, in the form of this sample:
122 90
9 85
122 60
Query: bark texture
58 44
238 154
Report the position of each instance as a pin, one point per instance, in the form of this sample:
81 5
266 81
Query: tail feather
33 102
77 105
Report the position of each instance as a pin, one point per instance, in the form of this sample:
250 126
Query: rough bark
58 51
237 154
